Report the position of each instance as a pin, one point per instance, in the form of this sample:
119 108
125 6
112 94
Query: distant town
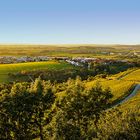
13 59
76 61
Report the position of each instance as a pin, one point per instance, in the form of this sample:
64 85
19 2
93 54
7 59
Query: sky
70 21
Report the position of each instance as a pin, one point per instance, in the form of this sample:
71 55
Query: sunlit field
118 87
133 76
5 69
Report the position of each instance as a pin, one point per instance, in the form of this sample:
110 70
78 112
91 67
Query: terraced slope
133 76
118 87
124 85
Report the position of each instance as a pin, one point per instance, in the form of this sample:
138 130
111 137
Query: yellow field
132 103
120 83
134 76
122 74
118 87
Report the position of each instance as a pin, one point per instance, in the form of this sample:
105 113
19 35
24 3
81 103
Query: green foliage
118 125
65 111
78 108
26 111
55 75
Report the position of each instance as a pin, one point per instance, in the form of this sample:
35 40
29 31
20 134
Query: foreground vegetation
39 110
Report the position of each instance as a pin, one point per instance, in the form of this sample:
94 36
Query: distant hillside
67 50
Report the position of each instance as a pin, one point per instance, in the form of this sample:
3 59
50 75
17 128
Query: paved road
133 93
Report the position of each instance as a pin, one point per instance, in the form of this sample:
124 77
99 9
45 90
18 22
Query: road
133 93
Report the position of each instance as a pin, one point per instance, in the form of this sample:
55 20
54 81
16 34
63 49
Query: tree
43 100
79 108
26 110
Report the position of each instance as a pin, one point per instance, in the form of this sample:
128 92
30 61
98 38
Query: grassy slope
13 68
133 76
120 84
122 74
118 88
132 104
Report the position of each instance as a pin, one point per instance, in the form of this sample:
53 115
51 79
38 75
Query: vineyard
122 74
134 76
131 103
118 88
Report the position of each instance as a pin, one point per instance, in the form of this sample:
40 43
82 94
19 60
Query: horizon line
69 44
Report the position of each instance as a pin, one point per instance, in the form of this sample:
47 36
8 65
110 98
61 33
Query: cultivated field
5 69
133 76
119 88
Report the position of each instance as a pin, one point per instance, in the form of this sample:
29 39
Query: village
76 61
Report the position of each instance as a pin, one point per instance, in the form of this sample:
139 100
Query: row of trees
55 75
42 110
110 68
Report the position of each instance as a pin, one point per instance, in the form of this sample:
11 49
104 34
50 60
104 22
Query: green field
5 69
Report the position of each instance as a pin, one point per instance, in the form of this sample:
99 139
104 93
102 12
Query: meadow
5 69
